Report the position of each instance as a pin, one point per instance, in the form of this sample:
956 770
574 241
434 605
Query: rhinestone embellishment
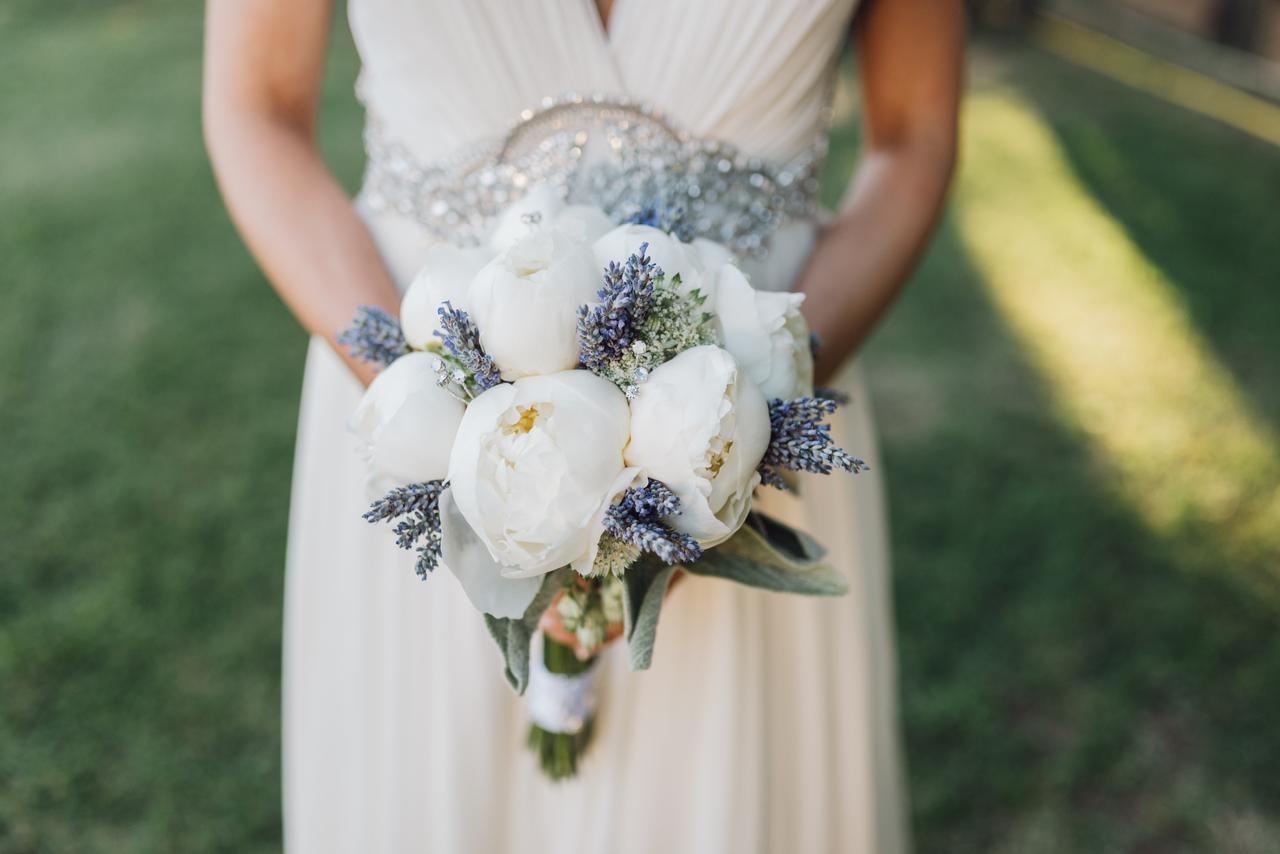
612 153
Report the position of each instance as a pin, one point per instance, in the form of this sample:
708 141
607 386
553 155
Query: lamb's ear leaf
468 558
766 553
644 588
513 635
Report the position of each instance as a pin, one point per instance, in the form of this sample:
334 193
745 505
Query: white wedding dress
767 722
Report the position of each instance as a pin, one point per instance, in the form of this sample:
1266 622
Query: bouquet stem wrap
561 699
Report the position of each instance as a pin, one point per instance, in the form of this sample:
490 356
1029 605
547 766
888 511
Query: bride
767 722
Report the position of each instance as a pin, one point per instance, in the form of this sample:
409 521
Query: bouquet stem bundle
558 752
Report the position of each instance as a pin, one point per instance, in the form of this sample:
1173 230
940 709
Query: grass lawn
1078 398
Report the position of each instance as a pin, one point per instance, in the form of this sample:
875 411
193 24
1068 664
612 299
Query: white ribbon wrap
556 702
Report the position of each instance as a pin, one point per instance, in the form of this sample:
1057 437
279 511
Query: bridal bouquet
572 412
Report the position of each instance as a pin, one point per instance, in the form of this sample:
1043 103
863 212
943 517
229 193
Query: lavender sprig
607 329
834 395
671 547
799 440
663 216
405 499
417 506
636 520
770 477
651 501
374 336
461 338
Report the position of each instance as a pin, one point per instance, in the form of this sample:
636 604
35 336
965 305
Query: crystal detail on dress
618 155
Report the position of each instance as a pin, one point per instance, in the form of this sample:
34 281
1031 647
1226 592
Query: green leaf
513 636
766 553
643 591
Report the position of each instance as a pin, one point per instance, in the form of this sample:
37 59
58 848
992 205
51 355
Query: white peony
535 465
582 223
406 422
445 276
675 258
766 334
543 202
712 255
467 557
525 303
700 426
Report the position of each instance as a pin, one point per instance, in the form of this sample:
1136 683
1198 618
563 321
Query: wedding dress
767 721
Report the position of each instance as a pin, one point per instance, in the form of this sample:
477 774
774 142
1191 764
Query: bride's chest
727 68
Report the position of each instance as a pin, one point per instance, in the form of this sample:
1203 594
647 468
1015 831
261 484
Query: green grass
1081 670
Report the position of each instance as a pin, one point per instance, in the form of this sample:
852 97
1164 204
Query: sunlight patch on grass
1114 340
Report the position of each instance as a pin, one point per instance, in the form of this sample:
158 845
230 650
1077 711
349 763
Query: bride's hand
552 627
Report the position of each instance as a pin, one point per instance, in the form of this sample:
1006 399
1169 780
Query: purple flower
608 328
417 506
461 338
799 440
664 217
374 336
635 519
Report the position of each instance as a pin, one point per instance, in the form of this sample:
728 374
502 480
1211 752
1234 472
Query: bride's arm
910 58
263 68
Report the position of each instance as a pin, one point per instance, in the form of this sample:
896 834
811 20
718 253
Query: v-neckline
604 44
603 17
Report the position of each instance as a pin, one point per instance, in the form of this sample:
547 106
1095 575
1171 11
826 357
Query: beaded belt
615 154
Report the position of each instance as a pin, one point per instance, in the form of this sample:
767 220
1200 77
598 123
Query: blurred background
1078 397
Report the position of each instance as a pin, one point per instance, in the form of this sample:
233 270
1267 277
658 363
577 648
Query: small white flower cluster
589 610
534 461
676 322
